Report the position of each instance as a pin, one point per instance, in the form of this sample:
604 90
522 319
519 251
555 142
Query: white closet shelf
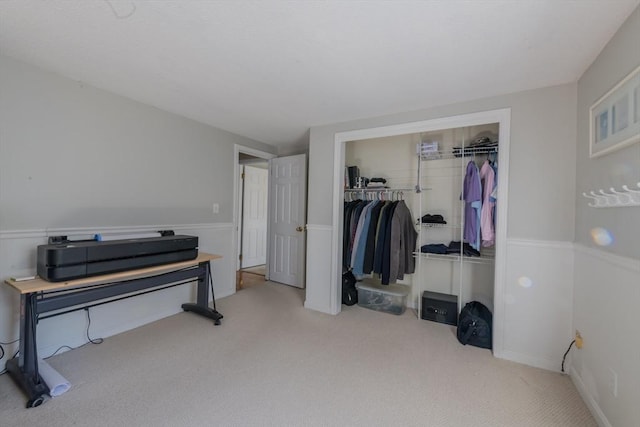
457 153
379 190
482 259
436 225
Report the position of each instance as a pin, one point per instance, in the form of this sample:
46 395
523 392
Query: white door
254 216
288 191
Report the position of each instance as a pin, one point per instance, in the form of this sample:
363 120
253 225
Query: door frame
500 116
237 149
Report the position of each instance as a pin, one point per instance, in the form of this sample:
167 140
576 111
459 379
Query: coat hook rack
614 199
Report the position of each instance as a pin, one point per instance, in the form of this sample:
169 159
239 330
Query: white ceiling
270 69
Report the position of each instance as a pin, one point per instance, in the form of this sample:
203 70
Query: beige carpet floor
274 363
258 269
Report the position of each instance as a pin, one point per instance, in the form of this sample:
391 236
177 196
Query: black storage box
440 308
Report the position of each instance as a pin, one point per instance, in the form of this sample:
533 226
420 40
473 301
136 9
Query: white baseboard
319 308
225 294
588 400
549 365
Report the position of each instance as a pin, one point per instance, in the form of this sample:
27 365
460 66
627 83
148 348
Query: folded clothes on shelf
376 185
436 248
467 250
479 148
483 141
382 180
452 249
433 219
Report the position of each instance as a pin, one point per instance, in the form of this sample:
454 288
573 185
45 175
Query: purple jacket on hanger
472 196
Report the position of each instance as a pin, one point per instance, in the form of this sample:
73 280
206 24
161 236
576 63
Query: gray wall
606 289
542 159
74 156
618 59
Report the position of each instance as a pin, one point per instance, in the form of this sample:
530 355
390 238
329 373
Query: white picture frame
614 119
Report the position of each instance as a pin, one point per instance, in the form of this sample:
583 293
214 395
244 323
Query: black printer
69 260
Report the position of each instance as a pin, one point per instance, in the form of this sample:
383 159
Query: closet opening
423 166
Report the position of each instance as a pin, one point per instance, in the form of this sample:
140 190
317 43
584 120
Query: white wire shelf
482 259
379 190
437 225
457 153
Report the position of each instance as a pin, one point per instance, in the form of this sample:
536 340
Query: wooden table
39 296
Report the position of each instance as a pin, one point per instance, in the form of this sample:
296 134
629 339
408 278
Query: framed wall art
615 117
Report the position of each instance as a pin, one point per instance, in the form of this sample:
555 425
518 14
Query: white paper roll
57 383
109 237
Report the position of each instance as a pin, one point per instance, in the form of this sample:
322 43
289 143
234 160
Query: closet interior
446 181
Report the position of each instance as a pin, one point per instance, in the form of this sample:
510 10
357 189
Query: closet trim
500 116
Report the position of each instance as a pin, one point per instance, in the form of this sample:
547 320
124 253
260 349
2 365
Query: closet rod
379 190
394 193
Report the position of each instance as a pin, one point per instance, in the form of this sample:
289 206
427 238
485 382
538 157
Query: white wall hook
626 197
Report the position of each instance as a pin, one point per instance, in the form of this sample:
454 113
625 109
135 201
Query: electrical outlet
613 382
579 340
216 208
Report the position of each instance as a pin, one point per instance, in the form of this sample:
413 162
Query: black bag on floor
475 325
349 291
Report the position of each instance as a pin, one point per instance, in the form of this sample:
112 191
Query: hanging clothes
370 247
357 257
472 196
494 193
487 178
351 216
380 234
379 237
403 243
385 269
355 218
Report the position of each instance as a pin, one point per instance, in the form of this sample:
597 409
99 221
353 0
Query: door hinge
242 176
240 257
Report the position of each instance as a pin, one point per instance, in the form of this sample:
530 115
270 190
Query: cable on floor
565 354
59 348
92 341
2 352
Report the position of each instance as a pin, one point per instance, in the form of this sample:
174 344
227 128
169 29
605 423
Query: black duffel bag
475 325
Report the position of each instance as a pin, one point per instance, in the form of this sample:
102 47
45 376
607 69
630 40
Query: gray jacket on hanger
403 243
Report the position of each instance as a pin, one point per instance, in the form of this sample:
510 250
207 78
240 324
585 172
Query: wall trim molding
557 244
319 227
46 232
627 263
593 406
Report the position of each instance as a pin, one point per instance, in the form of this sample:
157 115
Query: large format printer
69 260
